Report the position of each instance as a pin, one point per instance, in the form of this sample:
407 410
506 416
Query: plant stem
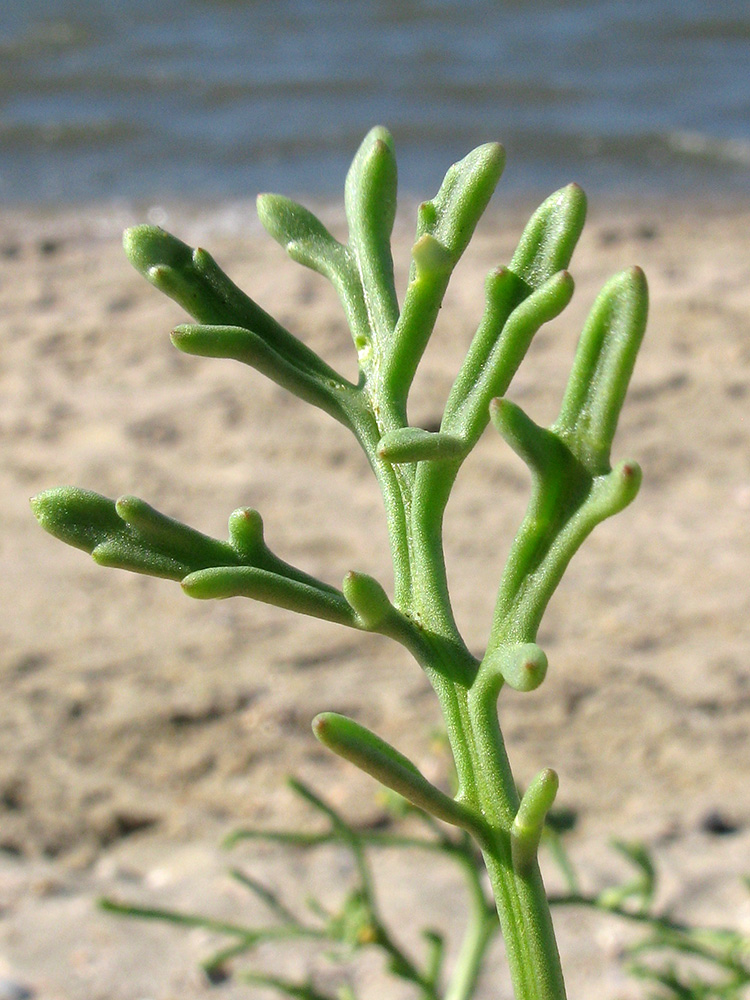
486 783
573 489
482 925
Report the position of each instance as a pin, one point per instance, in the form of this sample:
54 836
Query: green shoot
574 488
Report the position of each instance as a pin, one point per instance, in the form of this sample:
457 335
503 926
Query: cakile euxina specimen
574 485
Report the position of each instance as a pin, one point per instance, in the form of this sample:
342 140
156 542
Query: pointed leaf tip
368 598
379 133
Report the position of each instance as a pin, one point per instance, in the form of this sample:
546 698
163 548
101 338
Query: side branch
573 486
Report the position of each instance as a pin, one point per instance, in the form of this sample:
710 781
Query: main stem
486 783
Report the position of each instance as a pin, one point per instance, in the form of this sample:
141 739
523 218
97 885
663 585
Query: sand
139 727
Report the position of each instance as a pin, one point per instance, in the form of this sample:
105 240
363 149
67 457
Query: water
102 99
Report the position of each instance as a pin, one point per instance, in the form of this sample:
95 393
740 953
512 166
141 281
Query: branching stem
574 488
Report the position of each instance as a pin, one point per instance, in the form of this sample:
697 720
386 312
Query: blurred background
102 99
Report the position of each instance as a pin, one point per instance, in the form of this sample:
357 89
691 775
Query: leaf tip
500 412
273 211
368 599
127 504
148 246
573 196
37 503
246 531
636 277
489 158
495 153
379 134
75 516
321 725
628 477
194 585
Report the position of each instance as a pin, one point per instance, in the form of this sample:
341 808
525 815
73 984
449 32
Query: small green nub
368 599
528 825
523 666
537 800
414 444
430 256
246 532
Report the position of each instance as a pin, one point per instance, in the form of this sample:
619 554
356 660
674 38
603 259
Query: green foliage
574 485
356 924
676 960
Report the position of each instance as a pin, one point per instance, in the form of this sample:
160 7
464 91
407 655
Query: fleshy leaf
128 534
172 536
453 213
310 378
567 501
302 234
602 368
537 446
79 517
194 280
444 227
370 199
379 759
262 585
506 340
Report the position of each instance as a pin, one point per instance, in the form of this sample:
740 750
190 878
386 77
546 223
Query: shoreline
227 216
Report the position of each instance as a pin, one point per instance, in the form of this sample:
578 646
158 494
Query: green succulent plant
574 485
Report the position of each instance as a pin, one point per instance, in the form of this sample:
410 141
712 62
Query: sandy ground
139 727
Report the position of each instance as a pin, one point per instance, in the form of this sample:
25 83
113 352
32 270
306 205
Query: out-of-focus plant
678 960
